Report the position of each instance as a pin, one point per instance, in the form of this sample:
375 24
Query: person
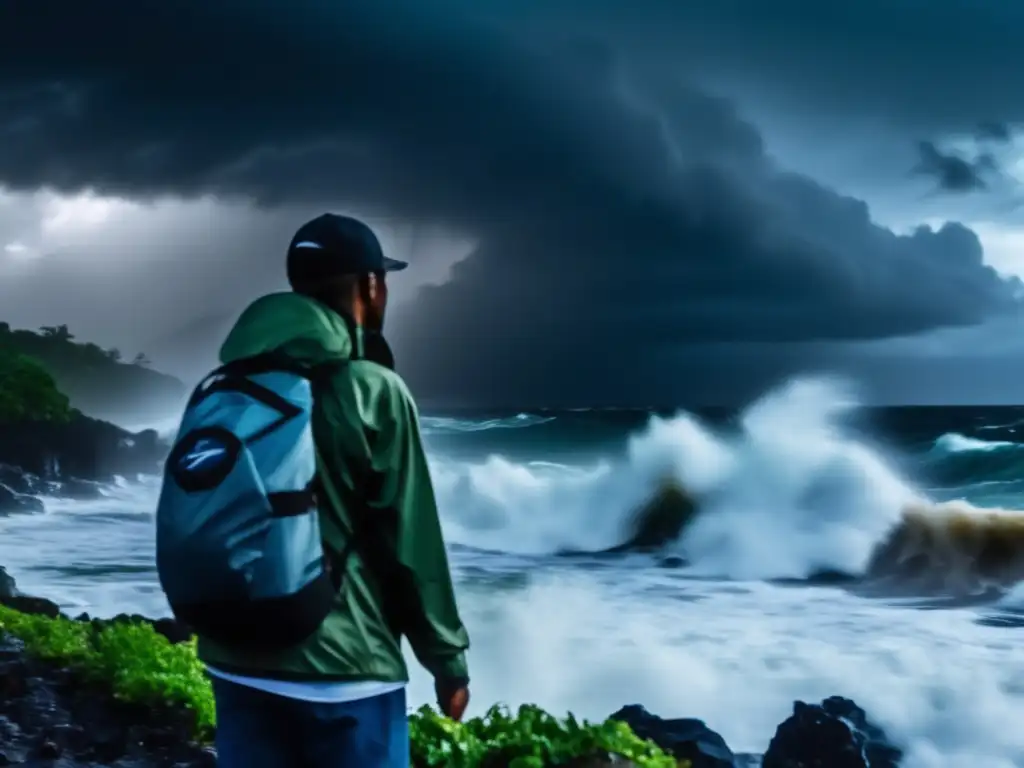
338 698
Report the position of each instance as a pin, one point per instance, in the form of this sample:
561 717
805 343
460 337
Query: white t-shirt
322 692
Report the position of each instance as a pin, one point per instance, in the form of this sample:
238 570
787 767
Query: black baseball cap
331 245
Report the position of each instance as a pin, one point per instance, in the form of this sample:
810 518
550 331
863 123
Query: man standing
337 699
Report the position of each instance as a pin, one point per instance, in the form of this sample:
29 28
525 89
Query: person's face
375 300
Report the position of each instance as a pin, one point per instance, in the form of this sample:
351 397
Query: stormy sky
603 203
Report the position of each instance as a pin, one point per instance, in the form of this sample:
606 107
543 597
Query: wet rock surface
660 521
833 734
71 461
686 738
12 502
83 449
51 717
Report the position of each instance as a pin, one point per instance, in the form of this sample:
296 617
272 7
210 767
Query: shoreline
129 691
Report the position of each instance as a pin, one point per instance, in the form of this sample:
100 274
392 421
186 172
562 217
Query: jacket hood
301 328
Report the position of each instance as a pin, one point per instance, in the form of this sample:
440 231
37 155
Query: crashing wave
786 494
952 548
954 442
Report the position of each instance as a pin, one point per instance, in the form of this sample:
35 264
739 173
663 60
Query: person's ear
371 286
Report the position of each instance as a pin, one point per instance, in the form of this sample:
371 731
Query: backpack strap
234 377
292 503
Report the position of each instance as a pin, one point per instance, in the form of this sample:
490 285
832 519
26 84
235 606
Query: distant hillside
97 381
28 393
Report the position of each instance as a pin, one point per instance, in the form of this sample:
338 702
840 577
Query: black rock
82 449
660 521
17 480
13 598
12 501
49 717
37 606
173 630
8 587
686 738
834 734
49 750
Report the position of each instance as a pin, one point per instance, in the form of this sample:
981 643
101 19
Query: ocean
872 553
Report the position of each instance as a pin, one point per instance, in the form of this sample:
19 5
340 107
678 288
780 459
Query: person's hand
452 698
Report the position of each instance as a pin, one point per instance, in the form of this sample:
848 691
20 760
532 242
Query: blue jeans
256 729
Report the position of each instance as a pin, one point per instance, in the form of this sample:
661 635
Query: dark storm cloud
953 172
928 67
619 211
992 131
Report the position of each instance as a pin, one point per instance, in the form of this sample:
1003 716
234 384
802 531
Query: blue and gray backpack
240 553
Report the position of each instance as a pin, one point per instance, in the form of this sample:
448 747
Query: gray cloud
992 131
953 172
928 69
621 213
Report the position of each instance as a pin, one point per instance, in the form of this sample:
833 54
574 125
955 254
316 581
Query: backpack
240 554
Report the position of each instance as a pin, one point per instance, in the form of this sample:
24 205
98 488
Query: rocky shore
79 693
71 460
50 717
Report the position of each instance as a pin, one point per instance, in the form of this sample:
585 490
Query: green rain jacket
363 417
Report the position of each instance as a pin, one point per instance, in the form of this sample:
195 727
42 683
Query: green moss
28 391
141 666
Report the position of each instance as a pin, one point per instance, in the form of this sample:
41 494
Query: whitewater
821 559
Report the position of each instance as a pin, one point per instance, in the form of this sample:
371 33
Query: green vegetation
138 664
141 666
95 379
528 738
28 392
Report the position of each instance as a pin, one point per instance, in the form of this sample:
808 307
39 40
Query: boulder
12 597
19 481
833 734
8 587
660 521
686 738
13 502
35 606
